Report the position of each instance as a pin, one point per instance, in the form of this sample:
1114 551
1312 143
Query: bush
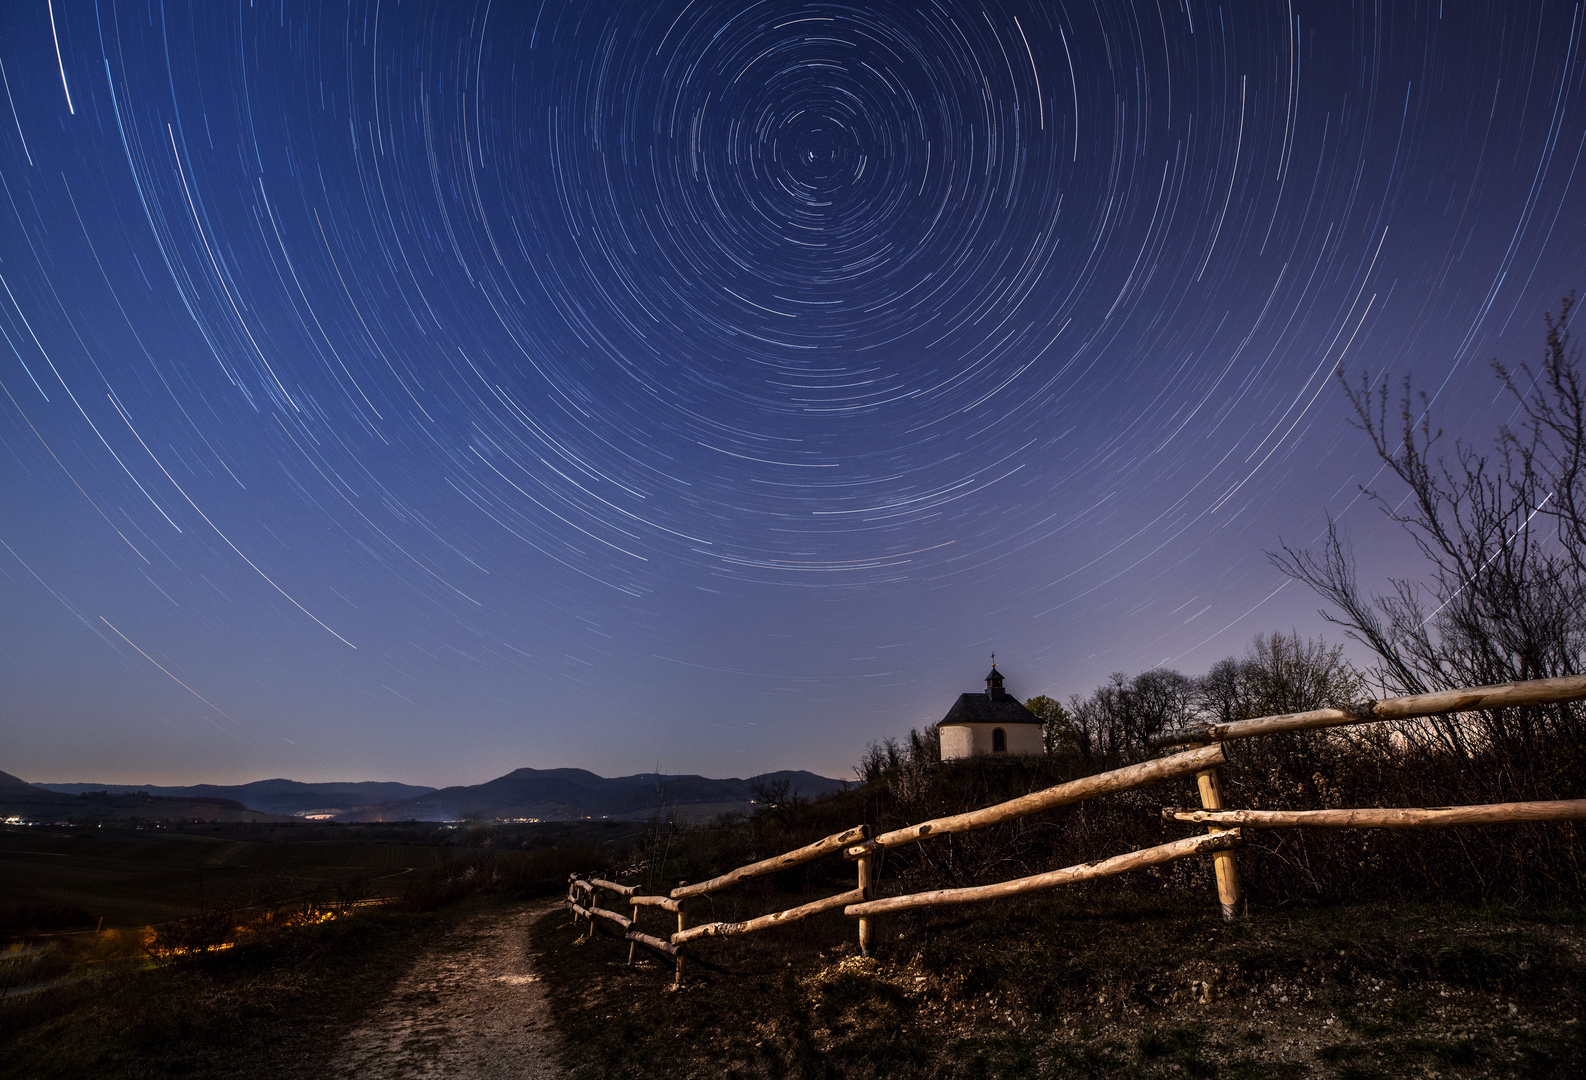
208 931
536 872
450 882
544 871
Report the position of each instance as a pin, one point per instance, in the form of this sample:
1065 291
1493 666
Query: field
133 876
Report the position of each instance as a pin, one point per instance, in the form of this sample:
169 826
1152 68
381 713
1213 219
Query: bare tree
1116 722
881 759
1279 673
1503 544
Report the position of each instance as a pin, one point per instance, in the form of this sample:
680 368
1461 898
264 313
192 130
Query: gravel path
472 1008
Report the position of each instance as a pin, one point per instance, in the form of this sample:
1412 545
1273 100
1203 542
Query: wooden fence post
866 882
1223 861
682 924
633 913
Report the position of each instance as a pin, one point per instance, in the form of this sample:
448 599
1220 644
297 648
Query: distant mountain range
32 802
566 794
545 794
268 796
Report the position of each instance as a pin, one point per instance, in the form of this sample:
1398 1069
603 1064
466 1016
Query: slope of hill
268 796
32 802
566 794
15 789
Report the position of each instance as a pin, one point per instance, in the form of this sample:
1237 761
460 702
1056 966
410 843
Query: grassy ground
1097 984
273 1008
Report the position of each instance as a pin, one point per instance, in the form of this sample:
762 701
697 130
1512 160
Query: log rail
1411 707
765 922
777 862
1086 787
1435 817
611 916
1069 875
857 844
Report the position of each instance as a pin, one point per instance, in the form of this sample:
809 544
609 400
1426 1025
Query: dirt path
472 1008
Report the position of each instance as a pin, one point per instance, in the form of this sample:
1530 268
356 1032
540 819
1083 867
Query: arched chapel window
999 741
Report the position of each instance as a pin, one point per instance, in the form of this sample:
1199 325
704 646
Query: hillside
15 788
32 803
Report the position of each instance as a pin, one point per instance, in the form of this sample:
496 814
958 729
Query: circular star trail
392 388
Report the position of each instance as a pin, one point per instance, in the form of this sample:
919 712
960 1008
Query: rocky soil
471 1008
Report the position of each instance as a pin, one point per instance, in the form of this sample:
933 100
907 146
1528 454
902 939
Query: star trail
419 391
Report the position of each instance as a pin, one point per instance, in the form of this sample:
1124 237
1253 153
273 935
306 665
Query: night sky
423 391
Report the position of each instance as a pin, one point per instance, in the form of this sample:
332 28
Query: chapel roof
980 709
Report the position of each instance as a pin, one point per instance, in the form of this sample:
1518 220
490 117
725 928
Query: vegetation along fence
585 896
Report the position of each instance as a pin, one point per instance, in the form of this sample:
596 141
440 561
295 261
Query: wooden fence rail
1436 817
621 920
1118 864
1222 825
659 944
857 844
777 862
765 922
1414 706
1086 787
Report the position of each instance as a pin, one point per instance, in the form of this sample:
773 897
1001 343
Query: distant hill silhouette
566 794
34 802
547 794
269 796
13 788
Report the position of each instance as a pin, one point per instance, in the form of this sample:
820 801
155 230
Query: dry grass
1345 969
1097 983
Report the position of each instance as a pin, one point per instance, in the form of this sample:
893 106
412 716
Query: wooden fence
1223 826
